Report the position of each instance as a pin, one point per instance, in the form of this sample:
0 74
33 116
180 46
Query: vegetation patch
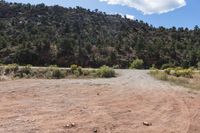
106 72
159 75
185 77
179 72
53 72
137 64
25 38
168 65
14 71
11 68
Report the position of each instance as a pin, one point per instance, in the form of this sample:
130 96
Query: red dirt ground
117 105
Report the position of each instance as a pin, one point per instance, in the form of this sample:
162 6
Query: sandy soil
117 105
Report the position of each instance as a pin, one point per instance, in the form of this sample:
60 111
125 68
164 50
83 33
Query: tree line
43 35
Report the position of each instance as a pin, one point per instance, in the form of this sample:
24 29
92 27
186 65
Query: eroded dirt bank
117 105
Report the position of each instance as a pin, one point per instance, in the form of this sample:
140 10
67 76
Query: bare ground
117 105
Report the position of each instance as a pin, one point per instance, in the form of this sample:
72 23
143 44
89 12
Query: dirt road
117 105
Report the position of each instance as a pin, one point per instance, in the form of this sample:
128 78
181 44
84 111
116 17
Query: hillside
42 35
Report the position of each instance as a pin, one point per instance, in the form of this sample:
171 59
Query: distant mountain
42 35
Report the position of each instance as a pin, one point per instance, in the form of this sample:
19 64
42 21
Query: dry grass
14 71
193 82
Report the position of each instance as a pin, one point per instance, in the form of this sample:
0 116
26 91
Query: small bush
162 76
11 68
76 70
184 73
106 72
153 67
24 72
159 75
169 65
179 72
169 71
86 72
77 73
58 74
48 74
53 72
155 71
26 69
53 65
73 67
80 70
137 64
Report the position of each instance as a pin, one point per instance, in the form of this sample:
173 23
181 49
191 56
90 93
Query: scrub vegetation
42 35
15 71
185 77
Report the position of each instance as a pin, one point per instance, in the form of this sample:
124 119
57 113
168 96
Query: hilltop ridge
43 35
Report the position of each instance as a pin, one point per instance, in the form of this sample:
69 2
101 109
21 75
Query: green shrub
77 73
24 72
154 72
106 72
58 74
169 70
179 72
76 70
26 69
153 67
184 73
52 66
137 64
86 72
11 68
73 68
162 76
48 74
169 65
159 75
26 76
79 69
53 72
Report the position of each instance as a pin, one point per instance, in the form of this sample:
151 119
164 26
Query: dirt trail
117 105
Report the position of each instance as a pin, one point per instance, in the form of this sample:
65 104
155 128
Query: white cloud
150 6
122 15
130 16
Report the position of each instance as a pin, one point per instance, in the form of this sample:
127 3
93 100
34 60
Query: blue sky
167 13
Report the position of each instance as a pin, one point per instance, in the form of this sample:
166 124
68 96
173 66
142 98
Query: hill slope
42 35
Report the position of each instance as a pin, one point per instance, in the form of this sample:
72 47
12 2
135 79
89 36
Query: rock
95 130
129 111
73 124
70 125
147 124
67 126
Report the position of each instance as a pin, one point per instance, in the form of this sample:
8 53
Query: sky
167 13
